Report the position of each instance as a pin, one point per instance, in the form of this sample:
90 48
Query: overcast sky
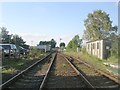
35 21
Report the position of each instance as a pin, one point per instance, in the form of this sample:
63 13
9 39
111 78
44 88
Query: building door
107 53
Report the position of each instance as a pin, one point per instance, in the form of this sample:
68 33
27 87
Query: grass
9 71
112 60
15 64
92 60
12 65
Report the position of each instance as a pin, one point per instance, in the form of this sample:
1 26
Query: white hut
99 48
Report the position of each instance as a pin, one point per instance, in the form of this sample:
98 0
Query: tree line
52 42
6 38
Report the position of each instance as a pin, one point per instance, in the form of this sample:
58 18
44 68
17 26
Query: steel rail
47 73
5 84
77 71
99 71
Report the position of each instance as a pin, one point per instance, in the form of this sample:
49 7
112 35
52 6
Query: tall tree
75 43
5 37
62 44
70 45
97 25
18 40
113 37
53 43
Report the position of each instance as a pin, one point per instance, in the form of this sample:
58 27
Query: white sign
107 47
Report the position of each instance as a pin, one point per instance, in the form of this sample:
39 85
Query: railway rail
63 74
58 71
31 77
97 78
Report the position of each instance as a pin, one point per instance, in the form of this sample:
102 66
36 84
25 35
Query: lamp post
60 42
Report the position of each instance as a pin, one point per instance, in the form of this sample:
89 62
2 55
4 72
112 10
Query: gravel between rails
62 75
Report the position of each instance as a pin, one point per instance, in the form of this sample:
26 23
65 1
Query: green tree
70 45
75 43
53 43
5 37
17 40
113 37
62 44
97 25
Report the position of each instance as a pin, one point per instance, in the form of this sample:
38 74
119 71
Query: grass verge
92 60
13 65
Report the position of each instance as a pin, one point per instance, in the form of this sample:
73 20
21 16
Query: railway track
97 78
63 74
30 78
58 72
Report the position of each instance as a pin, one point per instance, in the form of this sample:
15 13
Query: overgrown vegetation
8 71
92 60
35 53
75 43
13 65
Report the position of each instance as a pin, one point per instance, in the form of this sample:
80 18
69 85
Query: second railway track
31 79
97 78
59 71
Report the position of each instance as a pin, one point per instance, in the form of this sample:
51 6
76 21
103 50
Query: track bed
97 79
62 75
33 78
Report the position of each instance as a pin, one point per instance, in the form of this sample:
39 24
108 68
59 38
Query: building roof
96 40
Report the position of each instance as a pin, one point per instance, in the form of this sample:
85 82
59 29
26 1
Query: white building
44 47
99 48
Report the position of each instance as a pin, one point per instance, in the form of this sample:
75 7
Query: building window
88 46
93 45
98 45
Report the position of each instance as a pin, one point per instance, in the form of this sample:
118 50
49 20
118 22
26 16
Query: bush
83 50
113 59
35 53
